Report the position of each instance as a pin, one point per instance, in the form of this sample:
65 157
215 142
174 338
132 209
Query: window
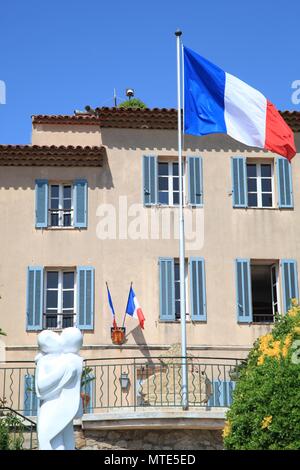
61 205
168 183
257 288
59 298
161 181
264 282
253 183
169 289
221 393
260 184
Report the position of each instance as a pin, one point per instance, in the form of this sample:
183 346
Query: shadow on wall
160 140
22 177
150 141
140 340
104 179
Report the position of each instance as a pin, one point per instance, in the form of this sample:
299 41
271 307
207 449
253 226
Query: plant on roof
132 103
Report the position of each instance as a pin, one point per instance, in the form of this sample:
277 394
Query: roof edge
136 118
43 155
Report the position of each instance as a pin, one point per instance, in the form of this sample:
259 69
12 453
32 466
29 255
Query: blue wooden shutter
31 401
289 277
41 203
284 183
85 296
150 180
197 289
166 289
243 291
34 301
195 180
80 203
222 392
239 182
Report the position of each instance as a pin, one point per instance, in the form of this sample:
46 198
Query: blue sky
60 55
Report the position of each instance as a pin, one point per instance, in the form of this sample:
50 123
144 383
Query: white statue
58 379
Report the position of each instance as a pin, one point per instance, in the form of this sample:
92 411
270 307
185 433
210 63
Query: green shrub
11 432
265 413
133 103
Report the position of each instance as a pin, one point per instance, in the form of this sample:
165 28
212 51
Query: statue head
49 342
72 340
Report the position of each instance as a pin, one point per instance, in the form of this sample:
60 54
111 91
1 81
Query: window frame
277 284
170 178
61 211
271 264
59 314
258 179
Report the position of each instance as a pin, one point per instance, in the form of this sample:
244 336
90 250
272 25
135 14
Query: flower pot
85 398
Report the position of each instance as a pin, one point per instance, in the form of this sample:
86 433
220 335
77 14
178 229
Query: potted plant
235 372
86 378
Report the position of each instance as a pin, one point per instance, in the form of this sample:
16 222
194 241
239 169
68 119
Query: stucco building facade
93 200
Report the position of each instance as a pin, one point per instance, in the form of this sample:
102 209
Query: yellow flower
297 330
266 422
227 429
276 349
294 302
288 340
265 340
260 361
285 351
286 344
292 312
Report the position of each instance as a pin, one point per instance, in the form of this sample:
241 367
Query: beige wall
228 233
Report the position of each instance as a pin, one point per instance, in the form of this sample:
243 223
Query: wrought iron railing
17 386
58 320
132 383
263 317
156 382
61 217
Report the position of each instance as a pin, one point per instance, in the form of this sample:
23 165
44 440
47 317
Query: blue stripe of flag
204 96
110 302
130 308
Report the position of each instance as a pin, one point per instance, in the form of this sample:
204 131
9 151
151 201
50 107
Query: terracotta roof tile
36 155
117 118
156 118
292 118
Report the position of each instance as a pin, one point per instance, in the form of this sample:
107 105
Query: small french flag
133 308
111 307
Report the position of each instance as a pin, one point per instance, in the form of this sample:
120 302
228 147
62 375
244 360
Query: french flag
133 308
217 102
110 302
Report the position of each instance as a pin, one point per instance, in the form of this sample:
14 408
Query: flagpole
181 234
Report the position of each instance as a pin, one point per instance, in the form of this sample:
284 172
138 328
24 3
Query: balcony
131 387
